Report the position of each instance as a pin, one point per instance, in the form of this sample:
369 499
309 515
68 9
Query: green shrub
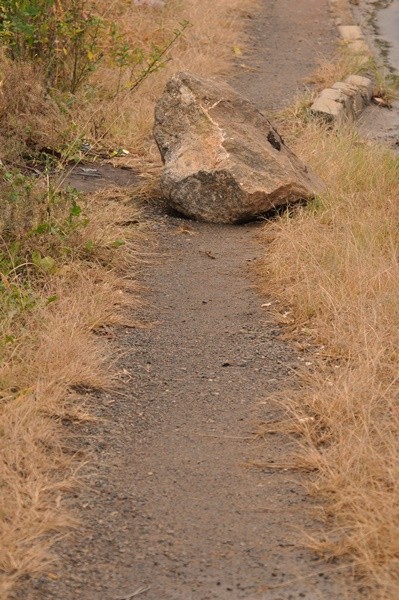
62 35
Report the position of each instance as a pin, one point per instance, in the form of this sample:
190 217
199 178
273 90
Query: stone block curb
341 12
345 100
350 33
353 37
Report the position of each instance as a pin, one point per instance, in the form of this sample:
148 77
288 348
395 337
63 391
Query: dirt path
289 38
171 511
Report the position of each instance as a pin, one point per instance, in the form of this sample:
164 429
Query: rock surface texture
224 162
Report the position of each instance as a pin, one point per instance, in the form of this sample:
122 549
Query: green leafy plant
157 58
36 222
69 39
133 63
62 35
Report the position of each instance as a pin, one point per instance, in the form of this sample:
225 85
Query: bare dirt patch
93 176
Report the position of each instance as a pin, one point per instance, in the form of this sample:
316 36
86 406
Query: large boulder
224 162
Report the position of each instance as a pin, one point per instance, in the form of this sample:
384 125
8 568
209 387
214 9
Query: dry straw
335 264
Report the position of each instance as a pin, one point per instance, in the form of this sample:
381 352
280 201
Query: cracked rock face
223 160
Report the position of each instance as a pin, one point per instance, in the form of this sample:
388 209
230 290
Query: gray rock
224 162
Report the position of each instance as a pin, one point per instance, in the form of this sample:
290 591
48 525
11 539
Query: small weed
37 219
61 36
386 84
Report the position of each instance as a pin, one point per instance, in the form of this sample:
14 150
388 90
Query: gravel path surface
174 509
289 39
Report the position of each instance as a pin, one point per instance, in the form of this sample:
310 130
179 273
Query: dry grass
345 63
29 117
48 350
335 264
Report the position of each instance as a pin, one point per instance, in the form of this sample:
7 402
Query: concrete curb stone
341 12
353 37
345 100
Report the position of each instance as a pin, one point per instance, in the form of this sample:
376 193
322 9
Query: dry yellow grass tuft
49 349
335 264
345 63
29 117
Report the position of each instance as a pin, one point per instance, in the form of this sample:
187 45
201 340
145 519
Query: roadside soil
89 177
173 507
381 125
